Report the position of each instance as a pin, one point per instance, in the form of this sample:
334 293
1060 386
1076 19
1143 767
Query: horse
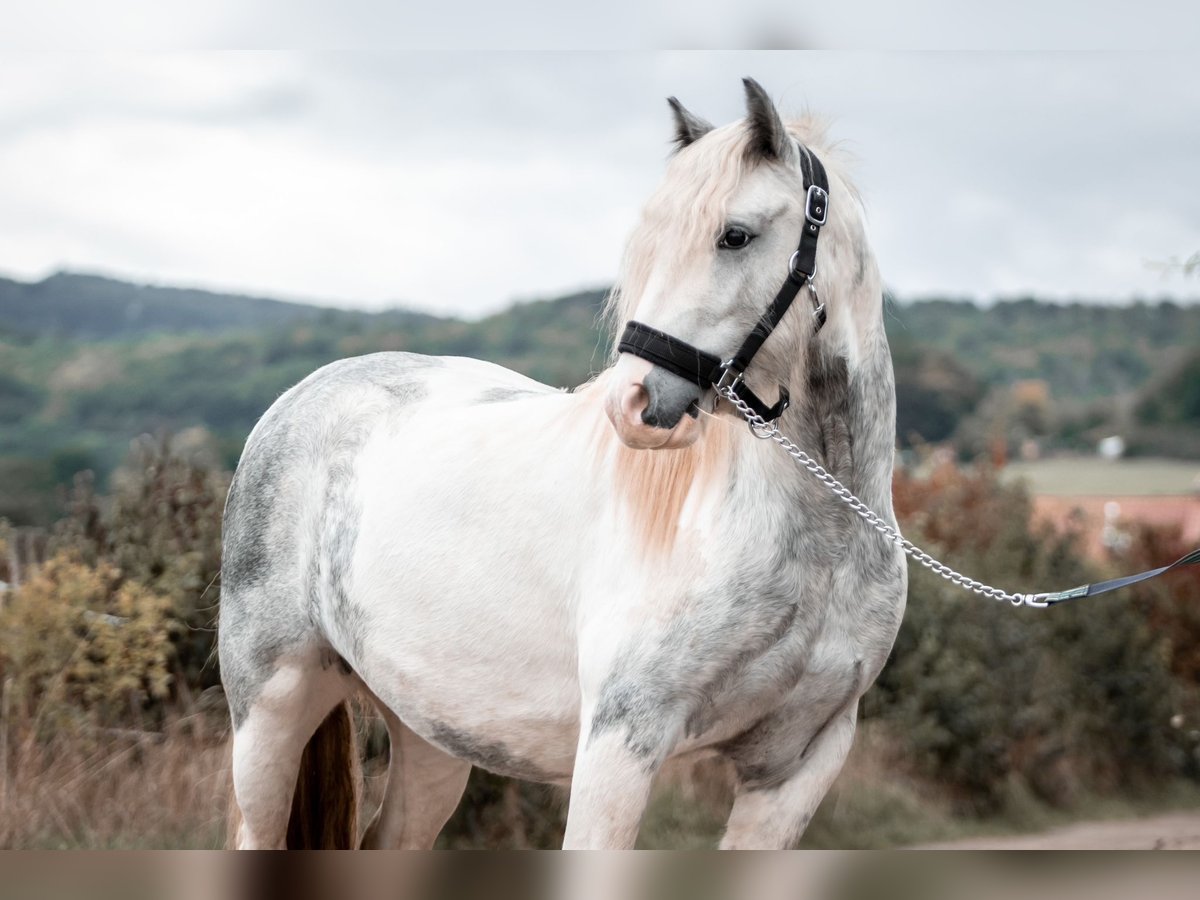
576 587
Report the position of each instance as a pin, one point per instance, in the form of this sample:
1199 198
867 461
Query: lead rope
765 430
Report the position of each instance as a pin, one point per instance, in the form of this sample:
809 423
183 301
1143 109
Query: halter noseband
705 370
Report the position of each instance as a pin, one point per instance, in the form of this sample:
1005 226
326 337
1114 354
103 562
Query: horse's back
381 383
314 431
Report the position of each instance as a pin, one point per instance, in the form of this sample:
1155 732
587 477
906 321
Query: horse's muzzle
652 409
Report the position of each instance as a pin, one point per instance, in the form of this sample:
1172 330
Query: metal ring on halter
792 267
763 432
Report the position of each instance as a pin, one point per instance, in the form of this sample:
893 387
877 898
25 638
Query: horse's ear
688 128
768 135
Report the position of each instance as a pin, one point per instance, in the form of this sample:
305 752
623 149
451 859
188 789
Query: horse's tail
325 805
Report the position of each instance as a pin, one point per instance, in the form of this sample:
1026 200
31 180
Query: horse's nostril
656 417
669 398
634 402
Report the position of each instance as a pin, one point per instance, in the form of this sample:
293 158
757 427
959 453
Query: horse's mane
655 486
690 205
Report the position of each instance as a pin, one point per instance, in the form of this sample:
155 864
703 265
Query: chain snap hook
818 304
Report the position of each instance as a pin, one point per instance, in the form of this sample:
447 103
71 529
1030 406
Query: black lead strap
706 370
1103 587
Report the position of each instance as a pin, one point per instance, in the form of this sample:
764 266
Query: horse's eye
735 238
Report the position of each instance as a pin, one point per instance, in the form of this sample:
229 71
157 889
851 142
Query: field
1095 477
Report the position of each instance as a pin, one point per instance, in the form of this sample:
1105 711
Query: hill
1081 350
79 378
87 364
72 305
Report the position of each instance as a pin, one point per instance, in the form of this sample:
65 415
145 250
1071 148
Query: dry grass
118 789
115 789
125 789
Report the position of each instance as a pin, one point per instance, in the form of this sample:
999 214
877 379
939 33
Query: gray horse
576 587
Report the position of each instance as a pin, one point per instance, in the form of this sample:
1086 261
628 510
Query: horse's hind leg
269 739
424 786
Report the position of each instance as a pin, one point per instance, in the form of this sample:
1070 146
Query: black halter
705 370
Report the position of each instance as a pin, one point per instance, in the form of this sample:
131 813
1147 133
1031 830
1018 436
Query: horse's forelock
687 212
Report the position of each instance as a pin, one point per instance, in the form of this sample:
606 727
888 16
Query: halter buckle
729 380
816 205
730 377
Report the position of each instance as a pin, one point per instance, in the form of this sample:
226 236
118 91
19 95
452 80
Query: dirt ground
1171 831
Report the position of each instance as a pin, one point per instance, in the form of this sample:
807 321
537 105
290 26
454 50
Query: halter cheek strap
706 370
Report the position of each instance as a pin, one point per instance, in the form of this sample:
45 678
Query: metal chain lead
765 430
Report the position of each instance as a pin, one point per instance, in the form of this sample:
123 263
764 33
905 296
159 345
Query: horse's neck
843 418
873 421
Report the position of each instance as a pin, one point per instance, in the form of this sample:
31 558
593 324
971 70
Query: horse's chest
800 645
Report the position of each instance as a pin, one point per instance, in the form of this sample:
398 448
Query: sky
458 181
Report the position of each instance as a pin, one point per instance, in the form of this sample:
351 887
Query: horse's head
709 254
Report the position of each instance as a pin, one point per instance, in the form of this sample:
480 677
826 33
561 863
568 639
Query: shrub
162 529
78 650
991 700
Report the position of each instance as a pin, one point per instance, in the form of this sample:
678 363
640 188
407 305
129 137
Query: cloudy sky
459 181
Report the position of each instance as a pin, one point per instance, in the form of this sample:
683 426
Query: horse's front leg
775 802
610 787
630 714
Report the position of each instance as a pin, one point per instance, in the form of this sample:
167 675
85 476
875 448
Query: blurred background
184 235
